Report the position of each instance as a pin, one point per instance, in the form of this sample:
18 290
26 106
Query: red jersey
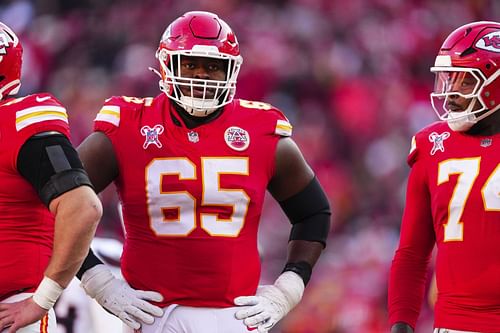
26 225
192 198
453 200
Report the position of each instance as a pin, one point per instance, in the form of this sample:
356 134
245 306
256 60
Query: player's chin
454 108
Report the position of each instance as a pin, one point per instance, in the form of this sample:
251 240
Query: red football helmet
468 66
198 34
11 53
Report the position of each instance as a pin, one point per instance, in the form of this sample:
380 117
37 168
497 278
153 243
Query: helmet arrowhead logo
490 42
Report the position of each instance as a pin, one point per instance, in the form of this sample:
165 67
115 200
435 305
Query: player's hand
20 314
271 302
116 296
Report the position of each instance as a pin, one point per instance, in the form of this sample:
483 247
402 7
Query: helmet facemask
204 96
456 82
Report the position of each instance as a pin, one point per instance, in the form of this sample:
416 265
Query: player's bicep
98 157
292 173
50 163
417 229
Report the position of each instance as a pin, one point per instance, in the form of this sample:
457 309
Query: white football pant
186 319
46 325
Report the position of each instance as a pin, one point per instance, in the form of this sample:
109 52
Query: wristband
47 293
301 268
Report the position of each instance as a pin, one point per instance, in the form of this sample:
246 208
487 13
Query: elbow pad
51 164
309 212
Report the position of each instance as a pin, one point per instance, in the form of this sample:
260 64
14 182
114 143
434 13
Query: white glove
116 296
271 302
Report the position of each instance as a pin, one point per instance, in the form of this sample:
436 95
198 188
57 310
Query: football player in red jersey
191 167
49 210
453 193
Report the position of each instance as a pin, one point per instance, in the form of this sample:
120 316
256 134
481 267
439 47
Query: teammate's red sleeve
108 118
409 266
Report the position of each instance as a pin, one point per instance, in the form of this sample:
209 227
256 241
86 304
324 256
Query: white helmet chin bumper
198 107
460 122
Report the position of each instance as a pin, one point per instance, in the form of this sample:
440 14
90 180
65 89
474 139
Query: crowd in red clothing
352 76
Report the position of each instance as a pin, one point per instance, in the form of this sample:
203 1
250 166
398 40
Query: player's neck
488 126
192 121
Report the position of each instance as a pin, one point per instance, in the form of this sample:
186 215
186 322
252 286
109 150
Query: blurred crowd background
352 76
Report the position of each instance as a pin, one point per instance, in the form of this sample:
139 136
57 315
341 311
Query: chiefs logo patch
237 138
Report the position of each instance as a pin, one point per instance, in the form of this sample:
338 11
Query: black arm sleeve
309 212
90 261
51 164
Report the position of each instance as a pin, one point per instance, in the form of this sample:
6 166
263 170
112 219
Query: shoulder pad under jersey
428 139
281 125
42 110
114 106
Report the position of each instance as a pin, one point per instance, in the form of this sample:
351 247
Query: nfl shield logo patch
237 138
486 142
193 137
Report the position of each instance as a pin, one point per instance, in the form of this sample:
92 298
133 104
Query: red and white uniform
453 200
26 225
192 199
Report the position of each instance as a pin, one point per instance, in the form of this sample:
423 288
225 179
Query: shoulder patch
37 114
283 128
438 141
109 114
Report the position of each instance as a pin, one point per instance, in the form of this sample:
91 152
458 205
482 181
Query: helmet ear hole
470 50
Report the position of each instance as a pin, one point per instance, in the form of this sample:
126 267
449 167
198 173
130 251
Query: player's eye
214 67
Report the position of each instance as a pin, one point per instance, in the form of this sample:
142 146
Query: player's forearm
77 214
302 256
407 281
302 250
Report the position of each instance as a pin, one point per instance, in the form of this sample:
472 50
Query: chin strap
460 123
